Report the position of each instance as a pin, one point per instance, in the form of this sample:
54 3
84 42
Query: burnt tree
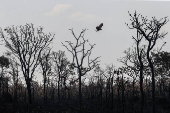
150 30
76 50
62 68
14 72
26 44
45 65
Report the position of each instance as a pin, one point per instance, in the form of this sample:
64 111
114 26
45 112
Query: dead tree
150 30
45 65
26 44
61 68
14 72
78 62
110 76
100 73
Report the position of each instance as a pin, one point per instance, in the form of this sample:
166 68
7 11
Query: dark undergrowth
71 106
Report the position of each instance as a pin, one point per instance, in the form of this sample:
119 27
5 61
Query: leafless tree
110 76
100 75
45 65
135 60
61 65
26 44
14 72
78 62
150 30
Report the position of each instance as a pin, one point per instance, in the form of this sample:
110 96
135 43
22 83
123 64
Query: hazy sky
58 16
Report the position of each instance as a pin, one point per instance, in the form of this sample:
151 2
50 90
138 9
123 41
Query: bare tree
136 57
110 76
46 68
27 44
78 62
100 73
150 30
14 72
61 68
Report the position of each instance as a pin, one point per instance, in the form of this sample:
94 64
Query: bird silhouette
98 28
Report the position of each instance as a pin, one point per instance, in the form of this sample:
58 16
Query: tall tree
61 68
45 65
99 74
135 60
78 62
110 76
150 30
26 44
14 72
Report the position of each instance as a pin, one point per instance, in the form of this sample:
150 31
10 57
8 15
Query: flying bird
98 28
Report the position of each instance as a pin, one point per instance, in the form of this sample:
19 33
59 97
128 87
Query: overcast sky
58 16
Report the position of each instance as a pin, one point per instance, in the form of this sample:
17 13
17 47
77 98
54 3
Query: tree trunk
106 95
153 89
153 78
133 85
118 89
101 96
112 93
123 96
80 94
33 95
46 95
25 98
141 73
169 90
141 87
0 86
44 89
58 90
29 92
6 82
15 94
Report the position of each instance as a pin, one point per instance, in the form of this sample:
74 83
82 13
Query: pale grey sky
58 16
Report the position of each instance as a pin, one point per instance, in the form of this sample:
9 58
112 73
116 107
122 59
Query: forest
141 85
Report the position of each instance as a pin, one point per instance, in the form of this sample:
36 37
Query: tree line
140 85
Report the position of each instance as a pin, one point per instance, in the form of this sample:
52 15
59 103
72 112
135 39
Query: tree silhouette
46 68
78 62
4 63
26 45
14 72
161 62
150 30
61 65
